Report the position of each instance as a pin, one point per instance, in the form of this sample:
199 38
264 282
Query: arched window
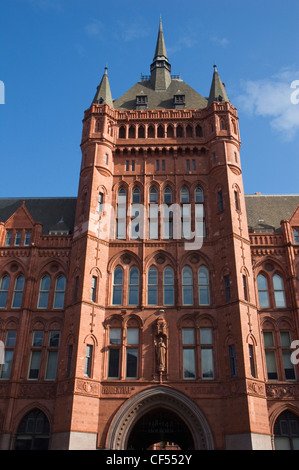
203 286
152 286
170 131
279 295
121 214
153 195
198 195
160 131
132 132
122 132
262 285
141 132
198 131
187 286
168 285
59 292
185 213
153 214
286 431
136 196
200 224
179 131
18 292
134 286
33 432
44 291
4 286
167 196
184 195
118 278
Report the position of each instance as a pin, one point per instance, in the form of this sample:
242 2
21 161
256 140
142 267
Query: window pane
6 367
288 366
187 286
51 365
54 339
17 299
189 363
132 360
113 366
206 336
153 195
198 195
268 339
134 287
168 286
88 360
132 336
167 196
279 299
262 282
115 335
34 364
207 366
11 339
152 289
38 337
4 286
285 339
184 195
188 336
263 299
271 365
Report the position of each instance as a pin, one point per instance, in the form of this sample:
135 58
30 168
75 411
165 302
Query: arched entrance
160 427
159 414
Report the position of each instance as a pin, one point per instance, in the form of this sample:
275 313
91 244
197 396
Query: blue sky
53 54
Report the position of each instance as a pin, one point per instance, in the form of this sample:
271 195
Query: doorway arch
175 416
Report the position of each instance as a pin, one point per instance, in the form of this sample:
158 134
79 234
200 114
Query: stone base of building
248 441
74 441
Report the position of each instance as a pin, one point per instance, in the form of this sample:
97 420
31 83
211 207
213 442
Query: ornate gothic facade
161 304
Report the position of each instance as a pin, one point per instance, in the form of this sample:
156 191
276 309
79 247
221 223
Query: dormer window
179 101
141 101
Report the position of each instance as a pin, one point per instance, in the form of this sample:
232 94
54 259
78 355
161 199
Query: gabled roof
47 211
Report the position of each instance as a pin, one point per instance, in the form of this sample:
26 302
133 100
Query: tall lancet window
121 214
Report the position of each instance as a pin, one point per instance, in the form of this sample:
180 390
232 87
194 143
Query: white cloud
273 98
94 28
220 41
55 5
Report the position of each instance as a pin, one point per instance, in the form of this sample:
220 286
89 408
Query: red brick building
161 304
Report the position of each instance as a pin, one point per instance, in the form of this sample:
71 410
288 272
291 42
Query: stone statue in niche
161 346
161 354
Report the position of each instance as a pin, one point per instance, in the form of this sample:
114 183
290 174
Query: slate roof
267 211
263 211
48 211
161 99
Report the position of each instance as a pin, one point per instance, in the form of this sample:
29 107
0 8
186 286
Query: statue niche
160 342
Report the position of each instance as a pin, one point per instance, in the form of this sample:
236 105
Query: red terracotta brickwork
83 336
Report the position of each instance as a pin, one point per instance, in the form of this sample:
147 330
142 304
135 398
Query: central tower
157 320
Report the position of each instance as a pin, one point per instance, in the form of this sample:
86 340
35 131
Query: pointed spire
160 48
217 92
160 68
103 94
